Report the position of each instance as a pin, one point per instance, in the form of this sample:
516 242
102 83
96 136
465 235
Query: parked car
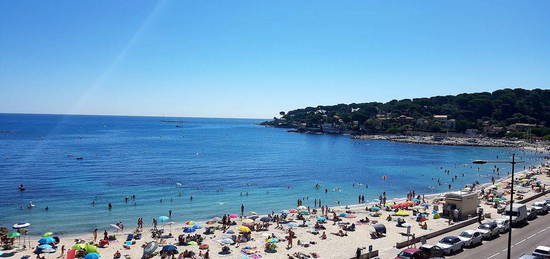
411 253
526 256
531 213
518 213
543 205
450 244
432 251
488 230
503 225
543 251
540 210
471 238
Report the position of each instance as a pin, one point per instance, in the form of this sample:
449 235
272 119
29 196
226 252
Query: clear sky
256 58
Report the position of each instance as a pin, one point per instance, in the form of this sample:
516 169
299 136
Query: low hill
507 112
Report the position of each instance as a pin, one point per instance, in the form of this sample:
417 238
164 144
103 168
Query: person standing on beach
62 251
95 234
105 235
242 210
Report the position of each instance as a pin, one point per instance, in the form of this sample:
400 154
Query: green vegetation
508 112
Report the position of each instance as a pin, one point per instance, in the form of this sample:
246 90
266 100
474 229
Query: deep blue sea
216 161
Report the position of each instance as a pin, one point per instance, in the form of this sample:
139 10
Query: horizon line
124 115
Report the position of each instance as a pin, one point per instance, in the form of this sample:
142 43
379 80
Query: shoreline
346 245
343 207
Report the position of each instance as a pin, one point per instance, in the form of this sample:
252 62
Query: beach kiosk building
460 205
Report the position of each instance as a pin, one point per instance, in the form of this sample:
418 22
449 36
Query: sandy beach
307 243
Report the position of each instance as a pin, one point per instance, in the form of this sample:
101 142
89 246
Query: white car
450 244
541 204
542 251
540 210
471 238
503 225
488 230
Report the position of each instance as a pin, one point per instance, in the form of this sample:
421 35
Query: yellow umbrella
190 223
403 213
47 234
91 249
247 221
244 229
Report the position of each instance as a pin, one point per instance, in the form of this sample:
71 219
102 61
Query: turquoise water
215 160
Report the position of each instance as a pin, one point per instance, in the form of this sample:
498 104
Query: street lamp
513 163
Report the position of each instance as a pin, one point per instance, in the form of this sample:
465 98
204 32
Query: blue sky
255 58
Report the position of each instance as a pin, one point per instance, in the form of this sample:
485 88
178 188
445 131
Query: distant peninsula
511 113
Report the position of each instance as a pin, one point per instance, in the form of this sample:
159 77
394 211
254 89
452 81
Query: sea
199 168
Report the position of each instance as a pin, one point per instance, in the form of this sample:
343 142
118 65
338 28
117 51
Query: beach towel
71 253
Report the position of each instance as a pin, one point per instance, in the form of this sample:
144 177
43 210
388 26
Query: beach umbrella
78 246
302 207
189 230
252 213
343 214
284 211
14 234
321 218
197 226
226 241
192 243
46 240
115 226
303 212
375 209
244 229
48 250
415 200
92 256
90 248
47 234
169 248
291 225
190 223
293 210
402 213
380 228
265 219
203 246
44 246
233 216
21 225
247 221
150 248
162 219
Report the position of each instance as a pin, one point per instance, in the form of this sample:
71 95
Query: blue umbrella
46 240
375 209
92 256
321 218
189 230
163 219
416 200
343 214
197 226
45 246
169 248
